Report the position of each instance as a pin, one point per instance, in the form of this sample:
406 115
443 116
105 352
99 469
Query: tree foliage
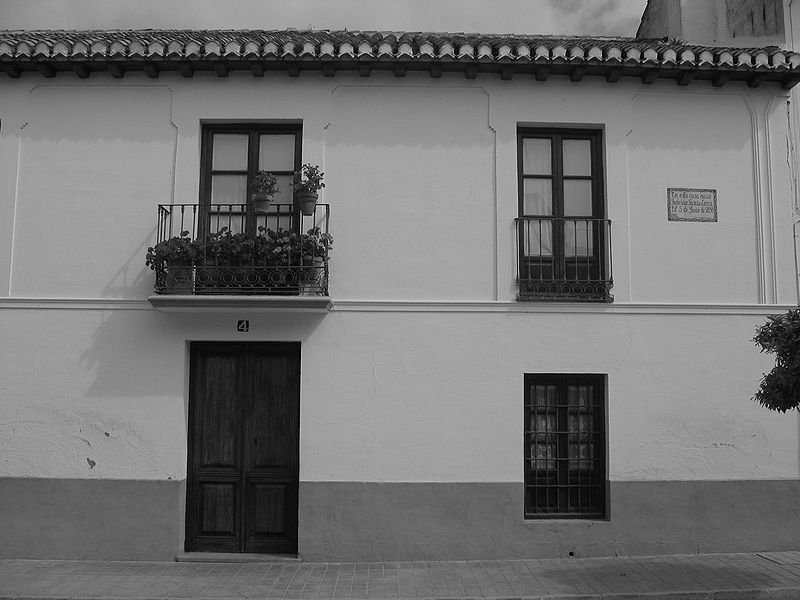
780 335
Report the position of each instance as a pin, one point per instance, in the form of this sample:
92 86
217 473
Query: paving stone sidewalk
768 575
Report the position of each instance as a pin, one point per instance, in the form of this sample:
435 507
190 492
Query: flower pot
312 260
312 274
179 280
306 202
261 203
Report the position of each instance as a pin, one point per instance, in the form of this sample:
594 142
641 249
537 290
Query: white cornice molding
560 307
28 303
454 306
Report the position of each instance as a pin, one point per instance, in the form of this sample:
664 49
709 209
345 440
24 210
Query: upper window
232 154
564 446
561 230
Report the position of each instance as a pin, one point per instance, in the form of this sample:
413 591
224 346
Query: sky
566 17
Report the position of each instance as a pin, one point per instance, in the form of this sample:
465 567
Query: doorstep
235 557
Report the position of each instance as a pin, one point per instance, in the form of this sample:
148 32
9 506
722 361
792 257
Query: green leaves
265 184
177 250
308 179
225 248
780 388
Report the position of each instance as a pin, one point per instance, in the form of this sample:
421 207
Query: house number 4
242 325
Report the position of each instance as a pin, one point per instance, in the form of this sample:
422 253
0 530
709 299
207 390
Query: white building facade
532 337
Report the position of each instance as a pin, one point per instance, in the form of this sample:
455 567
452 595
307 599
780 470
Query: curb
774 593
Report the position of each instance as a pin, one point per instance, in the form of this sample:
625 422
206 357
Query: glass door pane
229 152
577 157
536 156
276 152
229 189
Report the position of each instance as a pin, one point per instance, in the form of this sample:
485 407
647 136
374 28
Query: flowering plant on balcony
263 190
176 251
315 243
264 184
308 180
282 247
227 248
277 247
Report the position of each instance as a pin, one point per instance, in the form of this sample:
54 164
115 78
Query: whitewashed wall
417 373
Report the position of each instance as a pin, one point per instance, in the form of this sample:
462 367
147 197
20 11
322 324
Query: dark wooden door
244 417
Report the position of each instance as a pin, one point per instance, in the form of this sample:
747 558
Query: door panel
271 517
217 503
218 417
267 509
244 413
273 448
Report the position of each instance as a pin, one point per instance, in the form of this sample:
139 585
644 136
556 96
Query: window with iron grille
563 237
565 446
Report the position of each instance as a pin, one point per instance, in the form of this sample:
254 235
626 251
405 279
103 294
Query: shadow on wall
136 353
94 163
133 278
143 352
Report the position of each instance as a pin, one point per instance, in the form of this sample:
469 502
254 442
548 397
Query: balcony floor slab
231 303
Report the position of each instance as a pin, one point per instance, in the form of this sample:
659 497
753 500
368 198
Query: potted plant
227 261
277 255
263 190
314 246
172 260
228 249
307 183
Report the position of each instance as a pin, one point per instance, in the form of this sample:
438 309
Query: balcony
564 259
229 255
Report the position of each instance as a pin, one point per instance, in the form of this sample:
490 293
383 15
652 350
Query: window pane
577 198
230 152
537 197
578 237
543 395
276 152
233 221
538 238
580 395
577 157
284 195
536 156
229 189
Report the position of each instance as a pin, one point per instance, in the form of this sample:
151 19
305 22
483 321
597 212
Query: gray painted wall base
91 519
344 521
400 521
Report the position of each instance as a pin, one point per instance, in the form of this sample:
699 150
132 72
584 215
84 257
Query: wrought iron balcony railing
232 249
564 259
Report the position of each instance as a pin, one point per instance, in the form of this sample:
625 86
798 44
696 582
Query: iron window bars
565 446
563 239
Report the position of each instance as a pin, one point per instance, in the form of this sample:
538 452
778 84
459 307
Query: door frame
190 513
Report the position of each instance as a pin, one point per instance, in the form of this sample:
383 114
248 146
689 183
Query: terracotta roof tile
155 51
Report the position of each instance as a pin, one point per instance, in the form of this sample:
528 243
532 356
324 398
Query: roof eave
611 71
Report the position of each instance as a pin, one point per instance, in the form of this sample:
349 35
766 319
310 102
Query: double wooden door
244 417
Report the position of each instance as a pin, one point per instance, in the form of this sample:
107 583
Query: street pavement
765 575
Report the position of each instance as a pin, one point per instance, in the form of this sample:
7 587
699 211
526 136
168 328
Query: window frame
253 131
563 482
555 266
554 134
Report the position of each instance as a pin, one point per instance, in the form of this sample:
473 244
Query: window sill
566 518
